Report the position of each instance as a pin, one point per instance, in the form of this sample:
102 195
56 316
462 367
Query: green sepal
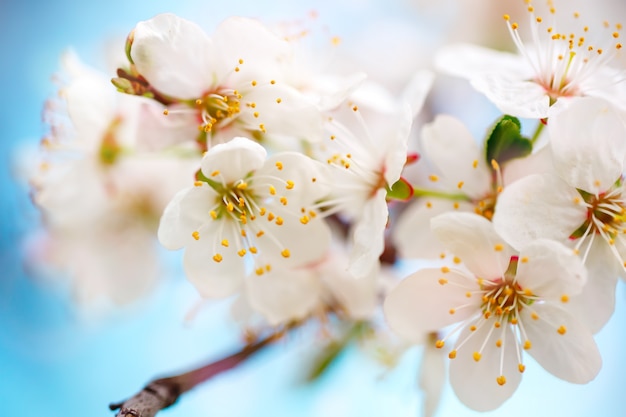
401 190
214 184
505 141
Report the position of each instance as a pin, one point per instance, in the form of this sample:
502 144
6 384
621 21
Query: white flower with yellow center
553 66
502 305
246 205
584 205
233 81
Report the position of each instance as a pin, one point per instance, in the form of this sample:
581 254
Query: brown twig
163 392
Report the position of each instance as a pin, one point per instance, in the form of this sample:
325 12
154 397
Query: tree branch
163 392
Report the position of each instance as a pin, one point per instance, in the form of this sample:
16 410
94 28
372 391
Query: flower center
218 108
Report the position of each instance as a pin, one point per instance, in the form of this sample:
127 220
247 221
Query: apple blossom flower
583 205
503 304
556 64
246 205
461 180
232 81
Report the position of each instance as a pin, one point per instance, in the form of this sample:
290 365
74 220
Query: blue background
55 362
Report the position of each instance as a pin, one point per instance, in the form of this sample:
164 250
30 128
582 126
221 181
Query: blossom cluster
290 187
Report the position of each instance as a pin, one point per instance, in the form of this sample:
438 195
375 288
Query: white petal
550 270
283 295
411 233
359 297
538 206
185 214
396 145
572 356
420 304
368 235
468 61
174 55
472 238
475 382
587 139
417 90
596 304
453 150
516 97
214 279
432 378
539 162
233 160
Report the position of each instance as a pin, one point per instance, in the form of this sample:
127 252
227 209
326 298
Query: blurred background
55 360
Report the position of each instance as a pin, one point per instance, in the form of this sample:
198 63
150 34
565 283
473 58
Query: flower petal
174 55
214 278
587 139
569 353
453 150
475 382
473 238
550 270
467 61
283 295
516 97
538 206
185 214
233 160
368 235
421 304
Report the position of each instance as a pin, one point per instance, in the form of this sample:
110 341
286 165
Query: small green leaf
401 190
505 141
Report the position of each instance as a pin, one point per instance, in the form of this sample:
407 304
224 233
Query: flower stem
538 130
422 192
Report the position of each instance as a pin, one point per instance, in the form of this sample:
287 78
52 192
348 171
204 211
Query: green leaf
401 190
505 141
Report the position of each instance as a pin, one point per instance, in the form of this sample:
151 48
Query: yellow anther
429 204
475 163
213 214
514 321
460 185
468 294
439 344
433 178
243 233
497 324
499 343
255 114
514 26
499 247
561 330
283 200
445 269
527 345
528 292
259 271
242 202
225 242
524 259
198 184
521 368
456 205
272 190
304 219
501 380
564 298
279 221
472 328
243 219
442 255
166 112
534 316
273 82
279 100
539 19
262 211
196 235
355 108
253 249
242 186
286 253
217 257
215 173
506 17
487 314
253 83
270 216
477 356
508 290
452 354
279 165
262 127
456 260
198 102
241 252
452 311
230 206
442 281
260 233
